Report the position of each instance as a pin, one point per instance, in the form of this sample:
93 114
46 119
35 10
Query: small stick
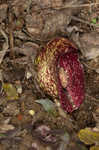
70 6
83 21
11 38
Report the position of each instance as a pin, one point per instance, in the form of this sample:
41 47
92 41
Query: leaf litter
33 24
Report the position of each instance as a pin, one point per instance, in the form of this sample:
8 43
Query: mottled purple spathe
61 53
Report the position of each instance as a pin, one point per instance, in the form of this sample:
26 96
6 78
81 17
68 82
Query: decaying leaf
88 44
20 7
47 18
6 127
47 104
28 49
3 12
89 136
10 91
65 141
94 148
96 117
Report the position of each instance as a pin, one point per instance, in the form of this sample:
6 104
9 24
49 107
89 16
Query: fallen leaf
6 127
89 136
65 139
94 21
20 117
10 91
47 104
88 43
94 148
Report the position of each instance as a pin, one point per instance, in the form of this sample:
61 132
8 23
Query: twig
83 21
11 43
11 38
69 6
80 5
